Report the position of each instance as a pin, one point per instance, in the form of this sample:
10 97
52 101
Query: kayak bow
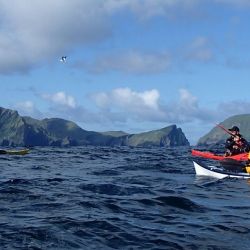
217 172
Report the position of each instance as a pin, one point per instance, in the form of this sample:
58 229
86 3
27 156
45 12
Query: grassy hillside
18 130
168 136
217 135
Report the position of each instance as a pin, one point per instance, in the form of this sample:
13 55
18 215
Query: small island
19 130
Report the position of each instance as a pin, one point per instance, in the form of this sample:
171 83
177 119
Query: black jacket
236 147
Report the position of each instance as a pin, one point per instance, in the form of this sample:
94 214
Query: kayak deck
210 155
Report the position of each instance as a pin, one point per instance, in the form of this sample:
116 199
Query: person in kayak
236 144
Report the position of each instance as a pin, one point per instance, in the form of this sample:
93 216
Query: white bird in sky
63 59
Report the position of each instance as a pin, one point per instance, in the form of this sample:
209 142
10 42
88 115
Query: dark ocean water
118 198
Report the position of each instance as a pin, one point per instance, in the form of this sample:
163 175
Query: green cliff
18 131
169 136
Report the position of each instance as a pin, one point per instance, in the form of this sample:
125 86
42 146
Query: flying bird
63 59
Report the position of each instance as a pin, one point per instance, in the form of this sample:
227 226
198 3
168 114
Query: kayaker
236 144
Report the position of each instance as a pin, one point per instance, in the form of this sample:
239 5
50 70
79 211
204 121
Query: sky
132 65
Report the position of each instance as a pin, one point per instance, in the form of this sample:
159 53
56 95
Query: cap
234 128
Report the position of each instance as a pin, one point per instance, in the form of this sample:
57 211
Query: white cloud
38 32
61 99
149 106
234 107
187 100
200 49
145 9
28 108
42 30
186 109
134 62
27 105
126 100
125 106
146 106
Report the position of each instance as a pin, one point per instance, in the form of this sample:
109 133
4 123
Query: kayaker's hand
227 153
236 138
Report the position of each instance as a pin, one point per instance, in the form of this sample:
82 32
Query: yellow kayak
14 152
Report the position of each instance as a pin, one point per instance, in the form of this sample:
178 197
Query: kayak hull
216 172
15 152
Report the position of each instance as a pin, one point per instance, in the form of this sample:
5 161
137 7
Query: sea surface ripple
118 198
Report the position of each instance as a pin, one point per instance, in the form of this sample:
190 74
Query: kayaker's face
235 132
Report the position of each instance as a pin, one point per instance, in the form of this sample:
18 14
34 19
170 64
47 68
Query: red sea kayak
209 155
